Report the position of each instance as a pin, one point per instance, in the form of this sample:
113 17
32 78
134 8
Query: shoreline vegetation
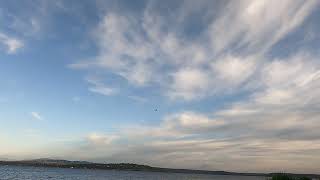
283 176
146 168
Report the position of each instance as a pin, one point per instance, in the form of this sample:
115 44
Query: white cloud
99 87
189 83
234 70
257 25
237 111
100 139
12 44
138 99
36 115
292 81
152 49
102 90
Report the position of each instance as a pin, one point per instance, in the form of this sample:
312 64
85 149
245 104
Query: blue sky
235 83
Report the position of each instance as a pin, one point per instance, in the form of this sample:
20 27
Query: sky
215 85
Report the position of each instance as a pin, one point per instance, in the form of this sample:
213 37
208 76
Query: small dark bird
155 109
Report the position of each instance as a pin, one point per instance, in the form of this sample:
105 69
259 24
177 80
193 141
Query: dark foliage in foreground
283 176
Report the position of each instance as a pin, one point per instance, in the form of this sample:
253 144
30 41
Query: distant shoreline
130 167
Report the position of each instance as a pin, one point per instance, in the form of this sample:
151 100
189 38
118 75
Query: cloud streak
99 87
36 115
11 44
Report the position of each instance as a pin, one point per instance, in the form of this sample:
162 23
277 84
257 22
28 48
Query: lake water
43 173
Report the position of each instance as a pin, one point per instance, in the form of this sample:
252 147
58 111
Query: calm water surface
43 173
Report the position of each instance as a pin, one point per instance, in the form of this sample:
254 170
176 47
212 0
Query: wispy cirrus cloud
36 115
11 44
19 26
99 87
149 48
